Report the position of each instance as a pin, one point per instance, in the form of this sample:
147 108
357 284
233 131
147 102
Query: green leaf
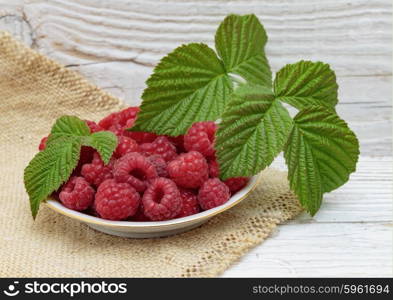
104 142
240 42
68 127
321 153
49 169
305 84
253 131
188 85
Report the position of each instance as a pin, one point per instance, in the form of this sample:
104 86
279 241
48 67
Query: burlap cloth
34 91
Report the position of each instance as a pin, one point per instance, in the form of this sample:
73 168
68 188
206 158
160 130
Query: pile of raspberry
149 177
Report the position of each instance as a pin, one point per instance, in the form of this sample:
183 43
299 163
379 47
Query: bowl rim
235 199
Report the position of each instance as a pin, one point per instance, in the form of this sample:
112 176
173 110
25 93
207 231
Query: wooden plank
365 102
131 77
115 44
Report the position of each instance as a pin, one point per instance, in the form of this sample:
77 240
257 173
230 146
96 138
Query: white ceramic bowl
153 229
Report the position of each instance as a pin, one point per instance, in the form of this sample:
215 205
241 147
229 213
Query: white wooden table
116 43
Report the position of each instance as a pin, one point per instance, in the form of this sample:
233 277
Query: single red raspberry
160 164
200 137
213 193
116 201
161 146
94 127
129 124
190 203
42 145
87 154
135 169
125 119
236 183
214 169
189 170
117 122
77 194
125 145
96 171
161 200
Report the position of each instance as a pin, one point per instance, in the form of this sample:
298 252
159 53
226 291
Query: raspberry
116 201
42 143
236 183
86 157
188 170
190 204
213 193
161 146
125 120
125 145
214 170
161 200
117 129
200 137
121 118
134 169
96 171
77 194
93 126
160 165
117 122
